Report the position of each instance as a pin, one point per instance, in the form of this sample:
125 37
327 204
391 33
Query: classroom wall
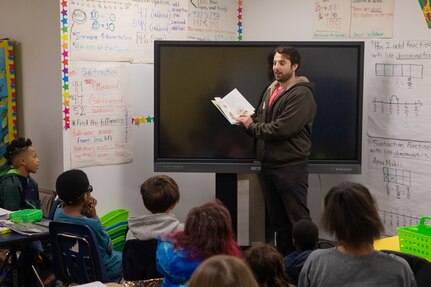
35 25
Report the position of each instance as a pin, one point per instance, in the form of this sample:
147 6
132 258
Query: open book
233 105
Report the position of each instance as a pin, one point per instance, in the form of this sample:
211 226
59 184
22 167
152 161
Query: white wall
35 27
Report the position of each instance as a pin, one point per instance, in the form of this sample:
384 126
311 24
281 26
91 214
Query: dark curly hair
16 147
290 53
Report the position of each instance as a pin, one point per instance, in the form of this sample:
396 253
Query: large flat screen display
191 135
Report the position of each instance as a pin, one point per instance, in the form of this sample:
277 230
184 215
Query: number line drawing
399 217
393 106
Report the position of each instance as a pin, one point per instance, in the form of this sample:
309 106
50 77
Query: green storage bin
416 239
118 243
114 217
26 215
118 229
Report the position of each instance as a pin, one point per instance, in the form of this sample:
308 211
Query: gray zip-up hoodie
152 226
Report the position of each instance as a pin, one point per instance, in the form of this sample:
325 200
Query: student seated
74 189
223 271
266 263
350 213
18 190
160 195
305 236
207 232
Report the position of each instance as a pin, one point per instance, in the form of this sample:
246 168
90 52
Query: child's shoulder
10 176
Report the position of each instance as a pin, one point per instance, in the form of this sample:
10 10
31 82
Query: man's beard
284 77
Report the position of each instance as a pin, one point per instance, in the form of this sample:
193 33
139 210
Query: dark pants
28 258
285 190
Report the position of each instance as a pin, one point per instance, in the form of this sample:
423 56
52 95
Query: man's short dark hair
159 193
306 234
290 53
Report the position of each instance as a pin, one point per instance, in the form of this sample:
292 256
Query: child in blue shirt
74 189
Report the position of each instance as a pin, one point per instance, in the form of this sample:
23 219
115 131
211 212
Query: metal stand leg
37 276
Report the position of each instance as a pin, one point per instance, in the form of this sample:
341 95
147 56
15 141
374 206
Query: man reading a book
282 129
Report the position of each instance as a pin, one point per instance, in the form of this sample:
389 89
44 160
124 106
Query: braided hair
16 147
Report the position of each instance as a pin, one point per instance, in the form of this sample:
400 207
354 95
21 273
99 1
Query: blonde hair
223 271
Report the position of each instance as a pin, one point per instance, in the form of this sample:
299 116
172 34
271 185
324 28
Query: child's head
73 186
305 234
160 193
222 271
351 214
20 154
208 231
267 265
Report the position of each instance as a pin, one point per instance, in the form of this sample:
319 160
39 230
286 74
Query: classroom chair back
75 254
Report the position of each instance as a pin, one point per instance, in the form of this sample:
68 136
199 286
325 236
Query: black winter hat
71 185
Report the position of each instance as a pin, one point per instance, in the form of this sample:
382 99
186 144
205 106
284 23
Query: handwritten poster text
100 117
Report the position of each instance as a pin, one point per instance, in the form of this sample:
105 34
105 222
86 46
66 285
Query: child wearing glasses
74 189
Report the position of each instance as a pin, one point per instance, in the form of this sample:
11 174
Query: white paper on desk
4 212
92 284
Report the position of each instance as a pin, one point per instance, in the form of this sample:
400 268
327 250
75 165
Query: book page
238 104
225 110
233 105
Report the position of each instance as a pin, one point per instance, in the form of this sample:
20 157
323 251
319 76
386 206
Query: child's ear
22 161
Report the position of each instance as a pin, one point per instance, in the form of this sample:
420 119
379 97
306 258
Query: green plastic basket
117 230
26 215
416 240
114 216
118 243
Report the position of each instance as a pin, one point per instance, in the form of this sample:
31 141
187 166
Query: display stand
227 193
242 195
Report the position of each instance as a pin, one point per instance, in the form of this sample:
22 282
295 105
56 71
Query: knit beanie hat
71 185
